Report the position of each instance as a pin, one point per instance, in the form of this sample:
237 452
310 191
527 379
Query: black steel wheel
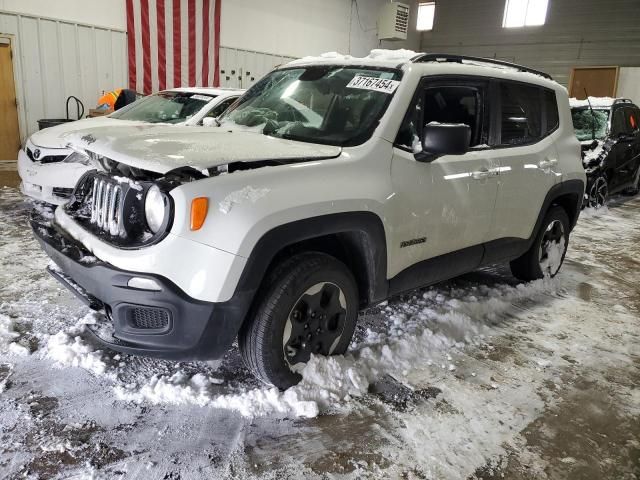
309 307
546 255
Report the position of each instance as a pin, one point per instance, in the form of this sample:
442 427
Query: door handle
546 164
482 174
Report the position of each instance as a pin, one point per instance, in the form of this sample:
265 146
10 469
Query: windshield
584 122
320 104
164 107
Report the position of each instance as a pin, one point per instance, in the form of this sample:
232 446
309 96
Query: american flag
173 43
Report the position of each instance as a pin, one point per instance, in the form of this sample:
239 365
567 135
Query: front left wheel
310 306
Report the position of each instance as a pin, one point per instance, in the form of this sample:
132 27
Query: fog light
144 284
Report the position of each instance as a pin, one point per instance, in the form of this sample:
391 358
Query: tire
312 299
598 192
546 255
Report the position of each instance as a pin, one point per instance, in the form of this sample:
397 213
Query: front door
445 204
9 133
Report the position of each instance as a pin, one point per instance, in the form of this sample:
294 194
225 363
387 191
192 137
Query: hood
161 149
52 137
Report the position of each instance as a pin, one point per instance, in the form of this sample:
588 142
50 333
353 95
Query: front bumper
166 323
48 182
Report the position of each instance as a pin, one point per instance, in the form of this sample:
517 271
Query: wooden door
598 81
9 133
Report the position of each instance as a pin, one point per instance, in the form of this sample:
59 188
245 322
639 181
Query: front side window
588 125
164 107
521 114
219 109
620 122
320 104
449 104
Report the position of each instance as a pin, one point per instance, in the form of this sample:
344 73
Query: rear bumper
164 323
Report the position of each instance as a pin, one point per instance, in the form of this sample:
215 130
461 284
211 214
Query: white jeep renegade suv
334 183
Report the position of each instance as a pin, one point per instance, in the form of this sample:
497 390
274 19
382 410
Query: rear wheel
546 255
310 307
599 192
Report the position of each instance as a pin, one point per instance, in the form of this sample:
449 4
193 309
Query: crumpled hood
52 137
162 149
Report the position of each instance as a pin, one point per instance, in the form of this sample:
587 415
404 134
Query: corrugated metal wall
577 33
54 59
242 68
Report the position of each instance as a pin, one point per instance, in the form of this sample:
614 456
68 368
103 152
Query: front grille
105 206
148 318
62 192
46 159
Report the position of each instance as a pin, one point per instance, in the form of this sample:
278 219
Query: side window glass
521 114
220 109
632 120
456 105
619 122
409 134
551 109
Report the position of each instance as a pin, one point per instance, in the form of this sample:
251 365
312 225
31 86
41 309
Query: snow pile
177 389
600 102
73 351
593 154
8 338
248 193
377 55
428 334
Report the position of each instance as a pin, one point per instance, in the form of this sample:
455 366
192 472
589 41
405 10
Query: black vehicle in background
609 130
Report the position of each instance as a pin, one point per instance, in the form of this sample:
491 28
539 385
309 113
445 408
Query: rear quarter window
551 111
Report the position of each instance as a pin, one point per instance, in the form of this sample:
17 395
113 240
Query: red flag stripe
177 45
146 46
206 19
216 39
162 46
131 45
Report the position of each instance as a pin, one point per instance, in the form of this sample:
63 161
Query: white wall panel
54 59
576 33
629 84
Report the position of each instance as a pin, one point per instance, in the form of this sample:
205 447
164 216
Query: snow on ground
440 383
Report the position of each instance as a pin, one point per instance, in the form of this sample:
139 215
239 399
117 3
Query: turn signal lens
199 208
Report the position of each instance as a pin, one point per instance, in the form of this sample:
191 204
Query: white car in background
49 174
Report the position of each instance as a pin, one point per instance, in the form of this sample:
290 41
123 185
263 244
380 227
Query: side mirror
209 122
445 139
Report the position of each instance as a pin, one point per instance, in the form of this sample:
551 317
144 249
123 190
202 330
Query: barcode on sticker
376 84
204 98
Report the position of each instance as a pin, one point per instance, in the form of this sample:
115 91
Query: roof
598 102
438 62
208 90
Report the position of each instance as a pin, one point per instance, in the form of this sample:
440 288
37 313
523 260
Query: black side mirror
445 139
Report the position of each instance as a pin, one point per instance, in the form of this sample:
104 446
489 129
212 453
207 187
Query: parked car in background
332 184
609 132
49 173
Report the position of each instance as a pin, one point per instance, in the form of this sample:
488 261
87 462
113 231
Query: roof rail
622 100
446 57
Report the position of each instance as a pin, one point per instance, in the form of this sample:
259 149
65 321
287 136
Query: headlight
155 207
77 157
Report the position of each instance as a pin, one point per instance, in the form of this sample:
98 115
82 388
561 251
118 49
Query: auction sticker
383 85
204 98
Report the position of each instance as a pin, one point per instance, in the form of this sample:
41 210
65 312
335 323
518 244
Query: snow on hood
162 149
596 102
52 137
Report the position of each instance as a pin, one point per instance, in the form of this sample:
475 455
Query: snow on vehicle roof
600 102
378 57
207 90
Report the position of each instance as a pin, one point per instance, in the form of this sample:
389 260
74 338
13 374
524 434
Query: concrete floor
549 390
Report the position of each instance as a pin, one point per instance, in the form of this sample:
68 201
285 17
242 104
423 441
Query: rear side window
620 122
521 114
633 119
551 111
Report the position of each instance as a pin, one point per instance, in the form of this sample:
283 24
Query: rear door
524 148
